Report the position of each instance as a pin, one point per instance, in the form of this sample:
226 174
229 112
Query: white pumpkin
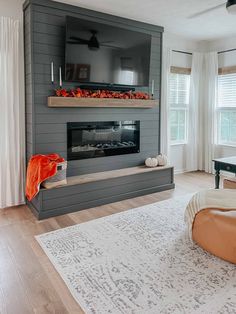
162 160
151 162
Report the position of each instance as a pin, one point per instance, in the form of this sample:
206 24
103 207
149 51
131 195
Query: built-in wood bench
92 190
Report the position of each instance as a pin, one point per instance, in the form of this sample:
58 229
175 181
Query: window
179 104
127 73
127 77
226 109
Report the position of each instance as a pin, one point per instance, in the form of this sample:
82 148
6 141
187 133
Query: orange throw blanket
40 168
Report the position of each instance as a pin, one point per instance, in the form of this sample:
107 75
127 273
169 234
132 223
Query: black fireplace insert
100 139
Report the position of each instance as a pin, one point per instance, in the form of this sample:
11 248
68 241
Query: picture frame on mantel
78 72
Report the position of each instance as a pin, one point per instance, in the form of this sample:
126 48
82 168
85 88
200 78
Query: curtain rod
189 53
234 49
184 52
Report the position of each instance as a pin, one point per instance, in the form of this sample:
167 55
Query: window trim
187 72
219 108
218 112
225 145
177 143
185 141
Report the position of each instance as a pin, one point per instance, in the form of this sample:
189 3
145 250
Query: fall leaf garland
79 93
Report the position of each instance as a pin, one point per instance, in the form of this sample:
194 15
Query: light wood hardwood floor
28 281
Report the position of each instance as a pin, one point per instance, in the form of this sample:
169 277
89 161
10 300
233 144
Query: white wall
180 43
227 58
222 44
11 8
14 9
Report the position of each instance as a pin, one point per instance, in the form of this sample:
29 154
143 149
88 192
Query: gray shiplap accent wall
46 127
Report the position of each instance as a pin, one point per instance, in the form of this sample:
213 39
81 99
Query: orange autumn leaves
78 93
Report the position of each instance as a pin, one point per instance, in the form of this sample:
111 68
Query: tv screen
104 54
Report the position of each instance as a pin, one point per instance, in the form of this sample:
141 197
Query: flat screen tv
104 54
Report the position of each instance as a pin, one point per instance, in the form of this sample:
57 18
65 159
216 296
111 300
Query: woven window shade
179 70
227 70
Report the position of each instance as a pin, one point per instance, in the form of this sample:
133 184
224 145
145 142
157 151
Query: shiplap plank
49 40
51 138
55 30
48 49
50 128
49 19
63 118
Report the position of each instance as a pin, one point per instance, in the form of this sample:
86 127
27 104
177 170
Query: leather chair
214 230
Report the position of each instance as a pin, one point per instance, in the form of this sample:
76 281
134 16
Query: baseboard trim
180 171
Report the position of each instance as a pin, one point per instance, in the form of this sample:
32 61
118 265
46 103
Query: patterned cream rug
141 262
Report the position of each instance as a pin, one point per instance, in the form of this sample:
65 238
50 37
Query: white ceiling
172 14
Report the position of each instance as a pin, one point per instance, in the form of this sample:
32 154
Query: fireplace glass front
100 139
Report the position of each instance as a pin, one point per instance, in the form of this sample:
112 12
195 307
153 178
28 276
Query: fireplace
100 139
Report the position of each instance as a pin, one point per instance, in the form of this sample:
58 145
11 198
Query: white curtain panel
202 113
195 131
165 111
209 109
12 159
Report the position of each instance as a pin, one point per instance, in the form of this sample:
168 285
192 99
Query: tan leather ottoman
230 183
214 230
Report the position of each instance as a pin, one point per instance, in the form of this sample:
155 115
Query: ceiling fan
230 6
92 42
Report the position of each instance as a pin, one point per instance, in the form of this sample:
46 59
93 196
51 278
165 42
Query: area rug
141 262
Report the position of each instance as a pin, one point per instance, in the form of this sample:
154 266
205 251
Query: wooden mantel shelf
74 102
